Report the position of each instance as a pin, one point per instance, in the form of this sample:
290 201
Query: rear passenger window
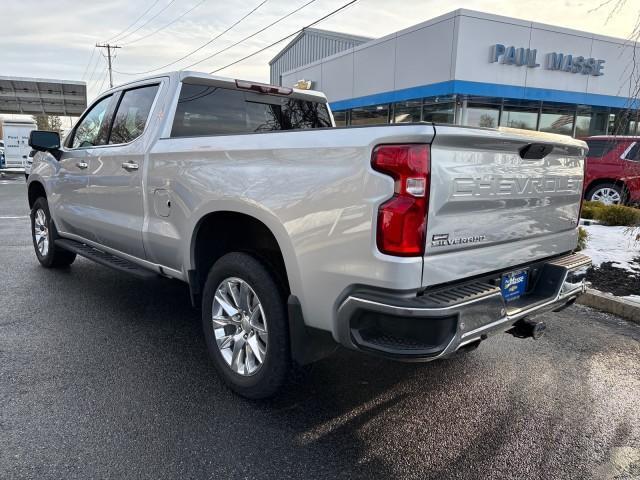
205 110
131 116
599 148
634 153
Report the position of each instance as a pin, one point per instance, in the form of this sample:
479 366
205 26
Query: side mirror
44 141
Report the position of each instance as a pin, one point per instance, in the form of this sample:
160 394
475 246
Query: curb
610 304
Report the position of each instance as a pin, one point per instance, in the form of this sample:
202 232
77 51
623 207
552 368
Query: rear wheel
244 320
44 234
607 193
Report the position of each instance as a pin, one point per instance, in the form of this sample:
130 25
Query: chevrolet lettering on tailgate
515 186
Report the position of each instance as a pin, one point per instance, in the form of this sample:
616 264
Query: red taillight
263 87
402 220
581 205
582 191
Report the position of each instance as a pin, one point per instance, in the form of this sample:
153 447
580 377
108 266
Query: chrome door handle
82 165
130 166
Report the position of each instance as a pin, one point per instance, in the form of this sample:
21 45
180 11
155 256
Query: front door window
94 127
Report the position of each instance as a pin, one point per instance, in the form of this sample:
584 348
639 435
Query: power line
197 49
102 84
148 21
94 67
250 36
285 38
102 75
109 47
136 21
166 25
93 51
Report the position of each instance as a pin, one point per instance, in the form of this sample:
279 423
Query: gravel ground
106 376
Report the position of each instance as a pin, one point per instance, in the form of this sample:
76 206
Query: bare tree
631 85
48 122
487 121
293 114
628 120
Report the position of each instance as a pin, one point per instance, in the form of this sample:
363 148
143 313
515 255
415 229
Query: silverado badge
443 240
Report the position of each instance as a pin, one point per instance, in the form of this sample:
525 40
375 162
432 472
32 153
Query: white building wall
337 76
424 55
457 46
479 31
473 50
311 45
374 68
412 57
618 68
549 41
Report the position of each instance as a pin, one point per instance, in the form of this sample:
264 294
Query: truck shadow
349 416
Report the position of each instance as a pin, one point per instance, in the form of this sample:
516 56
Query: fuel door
162 202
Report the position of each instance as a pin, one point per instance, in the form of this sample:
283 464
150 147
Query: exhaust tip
528 329
538 330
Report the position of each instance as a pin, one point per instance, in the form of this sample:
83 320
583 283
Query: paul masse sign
554 60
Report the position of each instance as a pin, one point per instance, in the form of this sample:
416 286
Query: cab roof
226 82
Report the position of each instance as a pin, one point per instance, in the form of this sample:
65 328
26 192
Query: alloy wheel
41 232
239 326
607 196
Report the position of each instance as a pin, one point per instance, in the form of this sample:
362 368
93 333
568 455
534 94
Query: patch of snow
633 298
612 244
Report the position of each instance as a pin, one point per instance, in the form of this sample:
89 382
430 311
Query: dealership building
471 68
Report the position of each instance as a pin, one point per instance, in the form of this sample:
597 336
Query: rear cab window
205 110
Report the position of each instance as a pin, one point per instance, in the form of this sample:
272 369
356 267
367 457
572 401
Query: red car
613 169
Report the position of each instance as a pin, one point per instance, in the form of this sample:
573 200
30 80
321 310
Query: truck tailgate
491 209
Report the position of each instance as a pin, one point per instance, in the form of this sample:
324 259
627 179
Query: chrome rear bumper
439 322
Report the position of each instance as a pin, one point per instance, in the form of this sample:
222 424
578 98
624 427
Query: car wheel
244 319
44 234
607 193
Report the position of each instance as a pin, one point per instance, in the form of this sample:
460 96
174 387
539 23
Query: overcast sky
54 39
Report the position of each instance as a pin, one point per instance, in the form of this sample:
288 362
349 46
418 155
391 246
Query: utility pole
109 48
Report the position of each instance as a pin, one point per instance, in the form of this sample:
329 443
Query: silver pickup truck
409 241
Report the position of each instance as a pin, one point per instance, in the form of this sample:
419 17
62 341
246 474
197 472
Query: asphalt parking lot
106 376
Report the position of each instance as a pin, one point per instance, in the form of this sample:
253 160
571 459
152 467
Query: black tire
274 370
54 257
617 188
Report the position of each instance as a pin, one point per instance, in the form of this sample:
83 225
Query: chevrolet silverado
409 241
